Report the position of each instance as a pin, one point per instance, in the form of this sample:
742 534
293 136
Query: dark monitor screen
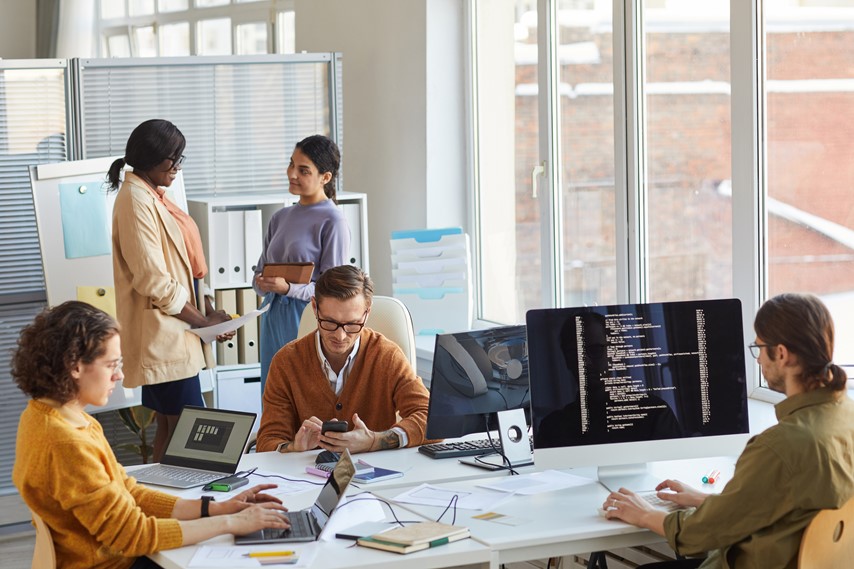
475 375
634 373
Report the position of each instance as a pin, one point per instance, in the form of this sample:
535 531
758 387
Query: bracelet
206 502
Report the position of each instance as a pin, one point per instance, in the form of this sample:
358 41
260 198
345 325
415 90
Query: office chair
389 317
828 541
44 555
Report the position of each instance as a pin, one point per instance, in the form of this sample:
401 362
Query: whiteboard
75 238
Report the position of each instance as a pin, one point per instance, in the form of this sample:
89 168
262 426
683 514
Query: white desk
557 523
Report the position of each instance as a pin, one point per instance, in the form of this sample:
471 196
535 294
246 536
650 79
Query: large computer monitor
619 386
475 375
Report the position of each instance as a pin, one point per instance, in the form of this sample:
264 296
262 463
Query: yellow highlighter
234 316
270 553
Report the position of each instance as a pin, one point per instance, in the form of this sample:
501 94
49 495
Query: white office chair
44 555
389 317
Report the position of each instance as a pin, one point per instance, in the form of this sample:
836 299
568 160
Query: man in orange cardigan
345 371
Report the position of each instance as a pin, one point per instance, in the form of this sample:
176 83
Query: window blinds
241 115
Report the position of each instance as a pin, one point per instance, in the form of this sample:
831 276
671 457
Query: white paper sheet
235 557
536 482
429 495
209 333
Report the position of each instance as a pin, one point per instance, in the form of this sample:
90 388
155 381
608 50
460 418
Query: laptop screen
209 439
334 489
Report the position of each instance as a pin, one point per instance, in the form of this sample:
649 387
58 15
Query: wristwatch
206 502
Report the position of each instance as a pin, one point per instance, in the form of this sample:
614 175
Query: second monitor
475 375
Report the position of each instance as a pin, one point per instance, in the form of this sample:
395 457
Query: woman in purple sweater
313 230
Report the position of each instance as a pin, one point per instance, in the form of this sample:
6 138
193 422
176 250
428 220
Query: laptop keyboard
301 526
163 472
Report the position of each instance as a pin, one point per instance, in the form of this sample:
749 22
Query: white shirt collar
336 381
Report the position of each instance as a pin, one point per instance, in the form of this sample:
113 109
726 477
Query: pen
269 554
711 477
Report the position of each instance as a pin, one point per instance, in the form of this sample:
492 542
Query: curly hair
803 324
54 343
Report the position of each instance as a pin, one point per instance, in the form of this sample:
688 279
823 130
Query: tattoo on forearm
389 439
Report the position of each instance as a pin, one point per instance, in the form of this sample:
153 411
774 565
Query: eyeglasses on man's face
333 325
756 349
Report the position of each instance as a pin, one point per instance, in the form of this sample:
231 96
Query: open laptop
306 525
207 445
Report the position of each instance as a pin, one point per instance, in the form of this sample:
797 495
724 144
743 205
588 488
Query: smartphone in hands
334 426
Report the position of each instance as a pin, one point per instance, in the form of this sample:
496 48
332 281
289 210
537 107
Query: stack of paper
415 537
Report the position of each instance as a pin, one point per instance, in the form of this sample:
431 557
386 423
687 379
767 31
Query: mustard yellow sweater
98 516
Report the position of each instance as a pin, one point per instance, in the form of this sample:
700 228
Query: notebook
207 445
306 525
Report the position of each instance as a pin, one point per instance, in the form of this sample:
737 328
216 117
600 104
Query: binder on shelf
219 249
253 241
353 214
247 335
226 352
236 248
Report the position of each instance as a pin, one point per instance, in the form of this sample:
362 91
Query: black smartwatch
206 503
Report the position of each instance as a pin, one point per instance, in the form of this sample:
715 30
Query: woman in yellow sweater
70 357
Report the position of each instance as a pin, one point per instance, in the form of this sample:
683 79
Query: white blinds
32 131
241 116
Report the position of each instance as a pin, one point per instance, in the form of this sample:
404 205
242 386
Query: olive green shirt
803 464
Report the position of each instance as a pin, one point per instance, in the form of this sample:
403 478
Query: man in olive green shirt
785 474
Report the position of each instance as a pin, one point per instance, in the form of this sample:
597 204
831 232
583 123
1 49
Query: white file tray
431 280
437 310
431 266
429 248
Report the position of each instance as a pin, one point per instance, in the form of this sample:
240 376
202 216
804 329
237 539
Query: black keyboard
301 526
459 449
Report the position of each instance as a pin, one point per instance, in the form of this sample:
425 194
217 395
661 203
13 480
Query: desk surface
556 523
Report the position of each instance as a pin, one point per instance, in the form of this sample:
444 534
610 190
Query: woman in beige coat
158 262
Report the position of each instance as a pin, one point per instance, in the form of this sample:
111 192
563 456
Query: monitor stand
634 477
515 443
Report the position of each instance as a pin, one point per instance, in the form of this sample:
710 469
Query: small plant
137 420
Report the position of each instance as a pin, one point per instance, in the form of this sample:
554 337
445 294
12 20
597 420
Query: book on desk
415 537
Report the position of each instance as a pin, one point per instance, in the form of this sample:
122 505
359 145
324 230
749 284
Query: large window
609 167
166 28
810 128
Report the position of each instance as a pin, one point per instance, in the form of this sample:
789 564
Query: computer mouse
327 456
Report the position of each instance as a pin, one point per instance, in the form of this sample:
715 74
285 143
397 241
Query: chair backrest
44 555
389 317
828 541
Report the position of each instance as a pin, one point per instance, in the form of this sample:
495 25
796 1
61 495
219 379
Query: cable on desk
453 502
498 450
288 479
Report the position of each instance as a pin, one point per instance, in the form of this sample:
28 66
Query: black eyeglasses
177 163
349 327
756 349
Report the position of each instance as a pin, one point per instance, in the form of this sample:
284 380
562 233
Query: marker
269 554
711 477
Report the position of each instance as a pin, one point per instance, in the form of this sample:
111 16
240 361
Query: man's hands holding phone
333 435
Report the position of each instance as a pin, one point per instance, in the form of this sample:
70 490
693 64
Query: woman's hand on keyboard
680 493
258 517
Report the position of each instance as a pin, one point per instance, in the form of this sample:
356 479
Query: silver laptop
306 525
207 445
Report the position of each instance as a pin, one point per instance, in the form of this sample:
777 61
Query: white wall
17 29
404 110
